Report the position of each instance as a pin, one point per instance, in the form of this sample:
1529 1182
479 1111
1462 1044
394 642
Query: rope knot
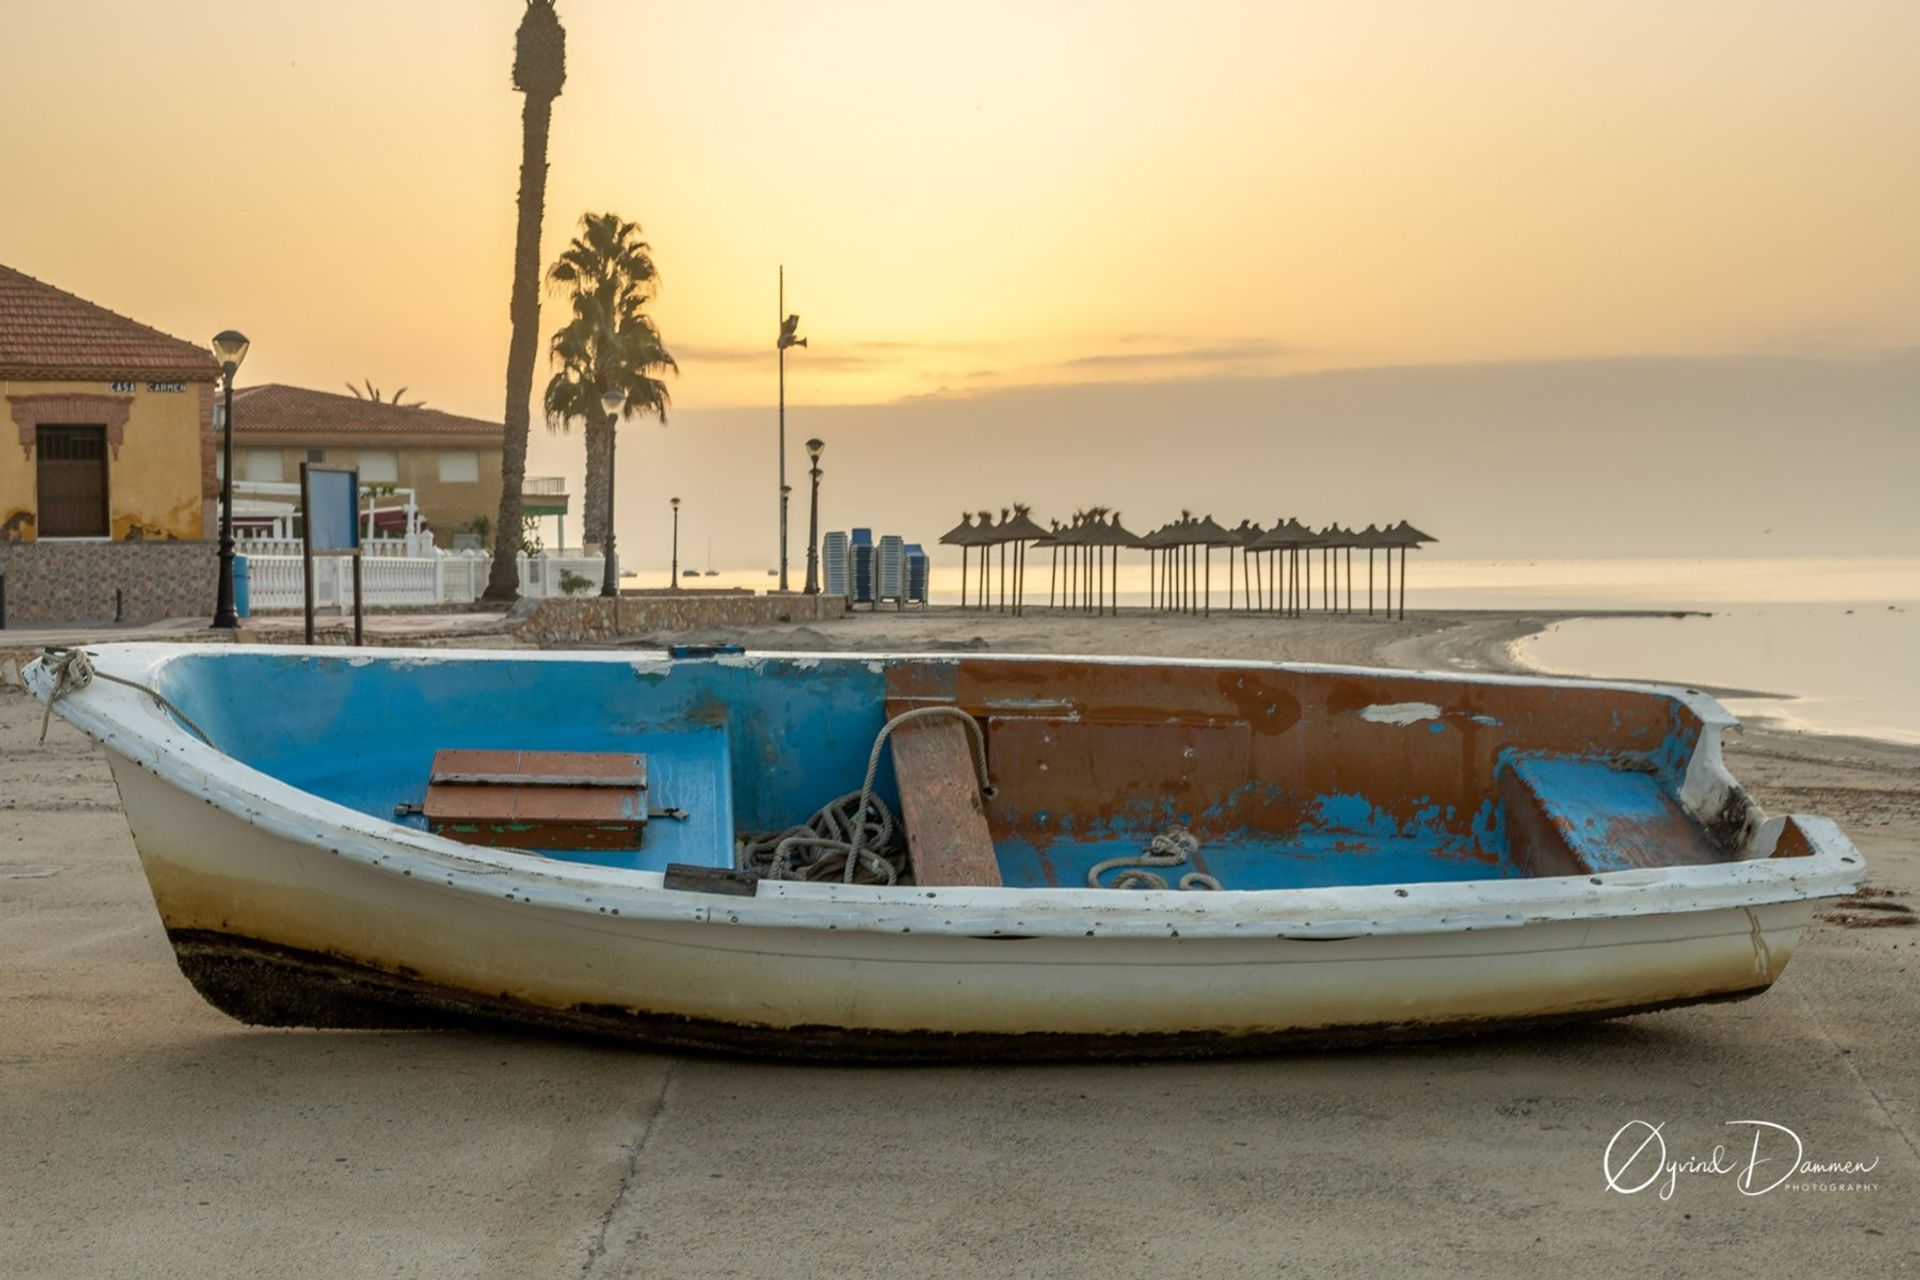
1171 848
72 671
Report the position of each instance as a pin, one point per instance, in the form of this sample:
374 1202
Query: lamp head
814 447
229 348
613 402
676 503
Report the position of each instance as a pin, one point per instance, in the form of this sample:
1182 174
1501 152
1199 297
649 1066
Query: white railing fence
274 581
416 545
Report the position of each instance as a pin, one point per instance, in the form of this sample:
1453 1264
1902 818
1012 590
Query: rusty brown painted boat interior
1288 777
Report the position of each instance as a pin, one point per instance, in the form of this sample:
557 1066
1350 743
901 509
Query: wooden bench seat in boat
1572 815
947 838
539 799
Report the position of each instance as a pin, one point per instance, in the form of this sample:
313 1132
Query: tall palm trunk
594 526
539 71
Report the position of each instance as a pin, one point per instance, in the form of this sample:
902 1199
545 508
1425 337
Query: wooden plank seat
948 842
1572 815
539 799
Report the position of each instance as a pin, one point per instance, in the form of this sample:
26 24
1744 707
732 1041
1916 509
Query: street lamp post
813 520
786 491
789 337
612 402
229 348
673 574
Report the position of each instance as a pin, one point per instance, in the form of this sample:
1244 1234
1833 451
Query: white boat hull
288 910
331 939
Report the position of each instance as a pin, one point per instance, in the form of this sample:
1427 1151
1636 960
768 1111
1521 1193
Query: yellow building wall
156 481
19 511
448 506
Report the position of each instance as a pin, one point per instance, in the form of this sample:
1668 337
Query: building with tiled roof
48 334
281 410
107 472
450 463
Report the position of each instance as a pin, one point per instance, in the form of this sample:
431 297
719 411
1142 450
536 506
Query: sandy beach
143 1133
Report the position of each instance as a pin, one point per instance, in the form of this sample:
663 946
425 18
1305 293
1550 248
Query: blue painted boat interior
757 747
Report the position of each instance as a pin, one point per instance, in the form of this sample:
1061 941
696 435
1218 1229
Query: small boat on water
935 856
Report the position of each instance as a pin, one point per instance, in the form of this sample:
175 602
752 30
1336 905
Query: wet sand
143 1133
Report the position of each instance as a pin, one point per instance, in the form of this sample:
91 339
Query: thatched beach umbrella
1177 550
1019 531
1307 541
1001 540
1302 540
1094 540
1158 578
1181 545
1273 545
962 536
1071 539
1344 541
1163 542
1281 546
1369 538
1331 540
1052 543
986 536
1245 534
1114 536
1321 546
1074 541
1168 544
1404 535
1208 534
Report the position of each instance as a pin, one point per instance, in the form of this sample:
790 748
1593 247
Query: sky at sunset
990 215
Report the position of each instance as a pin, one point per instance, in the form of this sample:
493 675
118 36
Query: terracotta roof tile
276 407
48 333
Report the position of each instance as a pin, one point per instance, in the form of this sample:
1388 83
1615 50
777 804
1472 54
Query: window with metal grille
72 464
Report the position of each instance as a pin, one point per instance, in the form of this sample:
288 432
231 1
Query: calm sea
1837 640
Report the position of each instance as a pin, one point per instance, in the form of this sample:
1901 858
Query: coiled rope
854 838
73 671
1174 848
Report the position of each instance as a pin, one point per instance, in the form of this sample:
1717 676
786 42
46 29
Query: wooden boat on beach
676 850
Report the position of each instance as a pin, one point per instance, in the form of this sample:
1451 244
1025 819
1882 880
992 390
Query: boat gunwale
128 721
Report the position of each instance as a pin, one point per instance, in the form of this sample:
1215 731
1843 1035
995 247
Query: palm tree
609 343
373 393
539 72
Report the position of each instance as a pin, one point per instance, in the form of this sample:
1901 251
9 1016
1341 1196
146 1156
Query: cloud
1832 341
755 355
720 355
1247 351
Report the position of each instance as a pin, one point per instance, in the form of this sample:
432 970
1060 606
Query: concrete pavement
144 1134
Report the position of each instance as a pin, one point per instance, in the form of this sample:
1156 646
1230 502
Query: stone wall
558 623
73 582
